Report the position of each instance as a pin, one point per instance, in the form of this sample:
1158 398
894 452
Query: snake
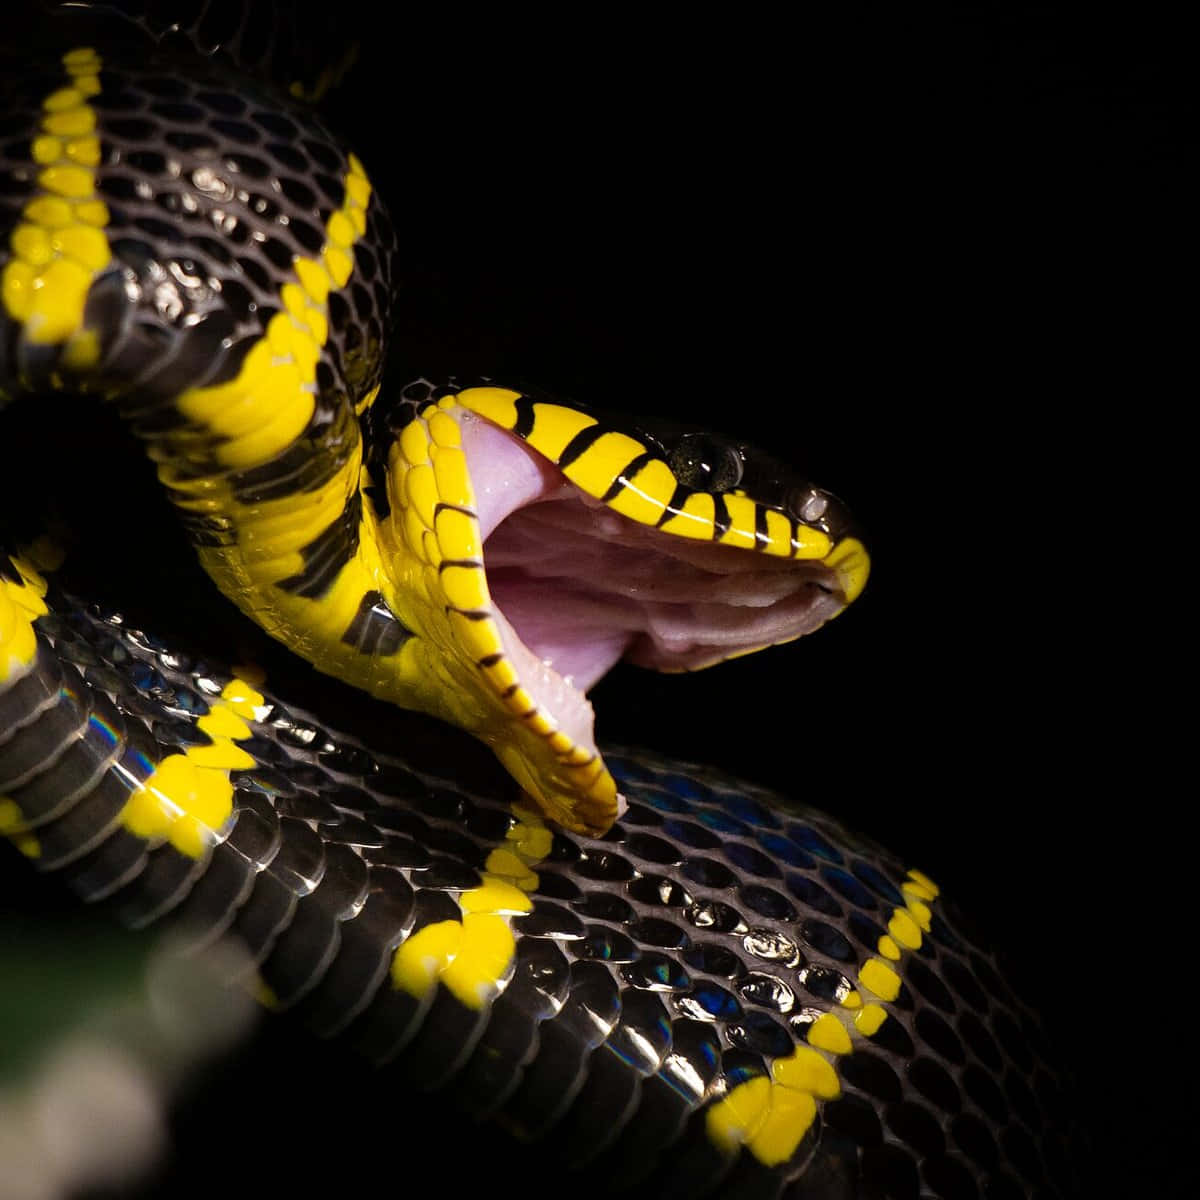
680 981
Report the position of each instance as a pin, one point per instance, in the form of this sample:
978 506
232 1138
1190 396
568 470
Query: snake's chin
578 586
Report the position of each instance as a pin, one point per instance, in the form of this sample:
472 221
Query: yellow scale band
20 605
434 548
59 245
771 1116
473 957
644 499
188 798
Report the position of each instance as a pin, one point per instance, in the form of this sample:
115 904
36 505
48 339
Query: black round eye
706 465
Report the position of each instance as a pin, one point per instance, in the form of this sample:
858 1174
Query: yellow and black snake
674 978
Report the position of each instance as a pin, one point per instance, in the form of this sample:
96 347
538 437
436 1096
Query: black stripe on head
674 506
580 444
375 629
762 539
525 416
327 553
721 517
628 475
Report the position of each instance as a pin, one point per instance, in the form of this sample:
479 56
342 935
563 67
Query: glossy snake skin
724 992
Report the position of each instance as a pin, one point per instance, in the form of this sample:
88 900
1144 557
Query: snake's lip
581 586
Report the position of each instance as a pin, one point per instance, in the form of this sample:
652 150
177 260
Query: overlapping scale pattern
686 954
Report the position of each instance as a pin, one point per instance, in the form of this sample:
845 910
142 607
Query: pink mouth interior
579 586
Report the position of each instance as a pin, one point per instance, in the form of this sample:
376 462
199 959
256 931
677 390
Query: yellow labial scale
849 558
497 404
741 522
736 1117
66 180
553 428
88 85
779 533
83 350
596 468
905 930
560 743
356 167
479 638
465 587
810 543
788 1119
497 895
420 486
453 479
807 1071
358 218
828 1033
417 963
921 878
484 958
50 212
458 534
868 1020
876 976
502 675
27 844
32 244
72 122
11 818
540 723
81 58
851 1000
696 518
647 496
888 948
84 244
444 431
414 443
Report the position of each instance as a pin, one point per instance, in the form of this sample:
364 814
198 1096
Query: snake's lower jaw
534 589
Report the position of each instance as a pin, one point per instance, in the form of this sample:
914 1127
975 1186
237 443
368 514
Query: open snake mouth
576 586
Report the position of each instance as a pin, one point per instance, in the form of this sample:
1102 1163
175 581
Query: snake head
532 544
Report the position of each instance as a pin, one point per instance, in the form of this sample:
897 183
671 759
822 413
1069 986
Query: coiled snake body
673 977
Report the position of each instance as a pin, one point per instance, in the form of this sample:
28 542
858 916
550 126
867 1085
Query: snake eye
706 465
808 504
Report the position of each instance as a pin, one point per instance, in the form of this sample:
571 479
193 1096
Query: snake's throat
581 586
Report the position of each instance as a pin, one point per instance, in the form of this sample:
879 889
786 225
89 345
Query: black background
908 256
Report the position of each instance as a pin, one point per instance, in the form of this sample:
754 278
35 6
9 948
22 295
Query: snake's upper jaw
538 577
